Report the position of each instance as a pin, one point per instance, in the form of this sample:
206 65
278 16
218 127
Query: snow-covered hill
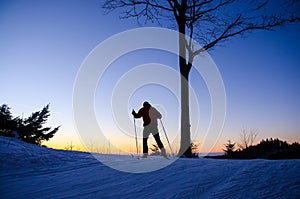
29 171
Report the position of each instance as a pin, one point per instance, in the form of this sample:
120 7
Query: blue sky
43 44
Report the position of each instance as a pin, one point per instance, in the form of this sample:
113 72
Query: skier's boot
145 155
163 153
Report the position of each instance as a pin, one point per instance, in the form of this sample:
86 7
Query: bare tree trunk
185 141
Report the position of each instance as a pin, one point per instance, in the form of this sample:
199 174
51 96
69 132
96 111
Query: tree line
269 149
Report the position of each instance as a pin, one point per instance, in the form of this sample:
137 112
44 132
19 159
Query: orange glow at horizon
121 147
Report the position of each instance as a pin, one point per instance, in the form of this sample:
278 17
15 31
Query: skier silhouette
150 116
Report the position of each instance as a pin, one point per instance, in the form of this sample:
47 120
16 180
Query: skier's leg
145 146
154 131
145 140
158 141
160 145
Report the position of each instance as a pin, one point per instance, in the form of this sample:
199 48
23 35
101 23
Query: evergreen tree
30 129
7 123
155 150
194 148
229 148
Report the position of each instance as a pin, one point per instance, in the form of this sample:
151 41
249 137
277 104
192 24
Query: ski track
29 171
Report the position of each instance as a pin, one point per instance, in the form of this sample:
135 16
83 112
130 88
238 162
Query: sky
44 43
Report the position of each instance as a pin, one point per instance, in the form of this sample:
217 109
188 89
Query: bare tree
247 138
209 22
69 146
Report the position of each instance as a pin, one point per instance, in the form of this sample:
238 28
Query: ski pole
136 141
167 137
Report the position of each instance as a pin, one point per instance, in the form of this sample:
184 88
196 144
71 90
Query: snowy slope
29 171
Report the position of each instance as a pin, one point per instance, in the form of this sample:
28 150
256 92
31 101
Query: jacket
149 114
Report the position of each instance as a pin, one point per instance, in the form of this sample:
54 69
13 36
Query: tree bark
185 141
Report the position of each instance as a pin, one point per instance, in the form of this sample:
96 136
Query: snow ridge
30 171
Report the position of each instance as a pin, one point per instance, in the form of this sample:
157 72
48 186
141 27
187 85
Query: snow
30 171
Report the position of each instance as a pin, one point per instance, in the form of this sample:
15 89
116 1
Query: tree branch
113 4
210 20
199 13
174 5
269 25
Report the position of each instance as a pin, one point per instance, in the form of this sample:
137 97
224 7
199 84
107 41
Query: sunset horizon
42 54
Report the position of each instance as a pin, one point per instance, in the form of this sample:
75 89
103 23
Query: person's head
146 104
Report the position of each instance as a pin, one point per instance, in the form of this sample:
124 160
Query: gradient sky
43 43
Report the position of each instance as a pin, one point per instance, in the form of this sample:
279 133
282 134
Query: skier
150 116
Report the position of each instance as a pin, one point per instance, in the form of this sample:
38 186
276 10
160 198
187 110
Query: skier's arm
137 115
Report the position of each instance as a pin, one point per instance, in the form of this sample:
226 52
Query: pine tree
7 123
155 150
194 148
229 147
30 129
